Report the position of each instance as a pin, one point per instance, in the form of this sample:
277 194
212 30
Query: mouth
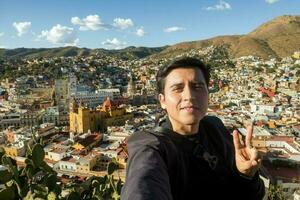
189 108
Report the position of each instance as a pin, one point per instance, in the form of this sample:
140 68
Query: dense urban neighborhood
82 110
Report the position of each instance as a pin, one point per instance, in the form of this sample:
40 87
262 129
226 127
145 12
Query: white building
261 109
68 164
57 154
97 98
50 115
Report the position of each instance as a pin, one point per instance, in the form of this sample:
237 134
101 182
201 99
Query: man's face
185 96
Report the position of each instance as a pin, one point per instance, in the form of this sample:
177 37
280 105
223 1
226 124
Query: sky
116 24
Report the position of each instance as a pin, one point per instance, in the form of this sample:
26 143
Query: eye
198 86
177 89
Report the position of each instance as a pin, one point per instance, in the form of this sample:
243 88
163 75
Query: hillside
279 37
43 52
127 53
282 34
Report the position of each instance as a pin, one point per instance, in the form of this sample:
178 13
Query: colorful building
83 119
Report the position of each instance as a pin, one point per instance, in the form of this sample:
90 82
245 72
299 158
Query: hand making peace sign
246 157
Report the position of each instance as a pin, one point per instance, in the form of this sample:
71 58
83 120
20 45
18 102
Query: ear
161 99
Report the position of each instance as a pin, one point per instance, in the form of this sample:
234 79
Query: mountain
126 53
136 52
279 38
282 34
43 52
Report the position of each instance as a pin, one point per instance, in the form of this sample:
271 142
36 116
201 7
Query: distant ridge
276 38
127 53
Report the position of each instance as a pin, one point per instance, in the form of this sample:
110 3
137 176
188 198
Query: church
84 119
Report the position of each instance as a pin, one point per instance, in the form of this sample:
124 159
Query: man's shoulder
216 124
213 120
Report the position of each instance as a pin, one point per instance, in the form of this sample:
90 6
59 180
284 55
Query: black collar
164 126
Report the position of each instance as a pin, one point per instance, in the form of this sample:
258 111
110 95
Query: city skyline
113 25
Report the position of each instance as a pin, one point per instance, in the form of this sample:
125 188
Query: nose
188 94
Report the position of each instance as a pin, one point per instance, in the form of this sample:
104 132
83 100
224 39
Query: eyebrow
199 83
176 85
192 82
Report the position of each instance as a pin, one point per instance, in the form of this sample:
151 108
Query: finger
243 156
255 166
254 163
259 162
246 154
236 140
249 136
254 159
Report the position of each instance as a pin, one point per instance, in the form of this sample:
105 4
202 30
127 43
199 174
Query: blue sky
115 24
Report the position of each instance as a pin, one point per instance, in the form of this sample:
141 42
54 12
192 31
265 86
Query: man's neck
184 129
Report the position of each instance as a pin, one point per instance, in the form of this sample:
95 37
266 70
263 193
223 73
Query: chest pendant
211 160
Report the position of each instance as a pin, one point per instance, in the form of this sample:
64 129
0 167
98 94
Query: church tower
131 89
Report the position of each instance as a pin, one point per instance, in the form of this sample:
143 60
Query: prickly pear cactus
37 180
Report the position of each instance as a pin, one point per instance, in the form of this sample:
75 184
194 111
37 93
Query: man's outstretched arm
147 176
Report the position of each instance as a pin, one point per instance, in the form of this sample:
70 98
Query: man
190 155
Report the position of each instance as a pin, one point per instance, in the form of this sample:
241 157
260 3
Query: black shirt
163 164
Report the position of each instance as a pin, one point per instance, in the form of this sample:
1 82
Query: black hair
185 62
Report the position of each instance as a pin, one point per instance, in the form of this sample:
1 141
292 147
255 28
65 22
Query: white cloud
173 29
114 43
122 23
271 1
2 47
22 27
221 6
140 32
1 34
60 35
91 22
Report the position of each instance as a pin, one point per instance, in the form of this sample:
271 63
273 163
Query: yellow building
122 159
272 124
296 55
83 119
85 165
225 88
259 143
14 150
87 143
